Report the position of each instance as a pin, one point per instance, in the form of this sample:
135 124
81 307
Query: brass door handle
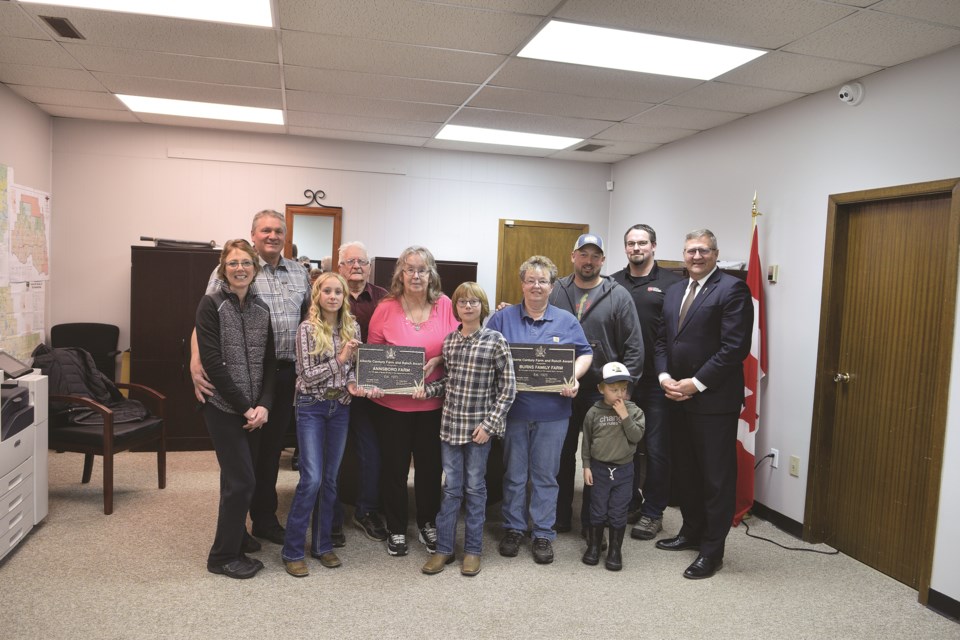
842 377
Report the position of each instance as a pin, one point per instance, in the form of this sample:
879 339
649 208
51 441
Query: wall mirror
315 231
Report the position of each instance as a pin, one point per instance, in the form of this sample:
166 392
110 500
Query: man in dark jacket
609 320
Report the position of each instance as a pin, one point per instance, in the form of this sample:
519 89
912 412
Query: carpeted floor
140 573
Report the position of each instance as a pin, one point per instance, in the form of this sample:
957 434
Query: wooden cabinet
166 285
452 273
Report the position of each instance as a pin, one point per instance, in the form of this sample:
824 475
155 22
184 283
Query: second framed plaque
543 367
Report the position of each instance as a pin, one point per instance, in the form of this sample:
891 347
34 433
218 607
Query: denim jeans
367 447
531 451
322 434
465 468
656 487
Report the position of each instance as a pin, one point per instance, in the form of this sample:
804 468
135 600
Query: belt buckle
331 393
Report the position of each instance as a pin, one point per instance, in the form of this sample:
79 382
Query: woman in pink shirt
415 314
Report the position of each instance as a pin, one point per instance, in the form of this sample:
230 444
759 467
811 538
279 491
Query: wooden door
520 239
886 334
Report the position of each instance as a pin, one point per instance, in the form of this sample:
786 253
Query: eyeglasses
534 283
416 272
704 251
235 264
640 244
355 262
472 302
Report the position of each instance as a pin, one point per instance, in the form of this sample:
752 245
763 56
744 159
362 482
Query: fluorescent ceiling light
632 51
255 13
500 136
210 110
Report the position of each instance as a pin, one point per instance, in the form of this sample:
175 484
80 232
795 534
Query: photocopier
23 457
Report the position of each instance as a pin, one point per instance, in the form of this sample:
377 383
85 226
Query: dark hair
641 227
228 248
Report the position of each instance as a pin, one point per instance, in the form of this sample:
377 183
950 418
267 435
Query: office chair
99 340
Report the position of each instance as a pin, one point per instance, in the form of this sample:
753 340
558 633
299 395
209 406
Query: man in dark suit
707 328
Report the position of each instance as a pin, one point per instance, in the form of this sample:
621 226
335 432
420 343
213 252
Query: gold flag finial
753 210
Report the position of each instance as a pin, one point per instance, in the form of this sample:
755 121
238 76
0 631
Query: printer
23 457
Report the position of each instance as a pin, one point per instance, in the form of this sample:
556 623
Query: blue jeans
465 468
531 451
322 434
656 440
367 446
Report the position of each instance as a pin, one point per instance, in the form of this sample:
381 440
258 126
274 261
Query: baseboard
944 605
777 519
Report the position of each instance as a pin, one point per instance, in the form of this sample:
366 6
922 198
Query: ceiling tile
367 107
942 11
408 21
593 156
83 113
43 53
512 121
666 115
66 97
75 79
876 38
792 72
455 145
198 91
622 147
361 136
556 104
644 133
154 33
730 97
374 86
369 56
556 77
14 22
530 7
356 123
768 24
176 66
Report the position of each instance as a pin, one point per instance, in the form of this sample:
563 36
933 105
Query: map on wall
24 265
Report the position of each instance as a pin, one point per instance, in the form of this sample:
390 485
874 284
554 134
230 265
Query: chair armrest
156 398
96 406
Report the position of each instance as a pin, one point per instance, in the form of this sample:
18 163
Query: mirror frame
336 213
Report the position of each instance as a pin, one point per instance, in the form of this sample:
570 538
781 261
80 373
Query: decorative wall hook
314 197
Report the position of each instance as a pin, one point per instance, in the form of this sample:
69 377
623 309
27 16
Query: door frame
510 270
815 520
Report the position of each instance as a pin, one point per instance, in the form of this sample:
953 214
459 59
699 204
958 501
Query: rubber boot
614 558
592 555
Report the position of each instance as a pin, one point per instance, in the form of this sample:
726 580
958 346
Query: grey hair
539 262
272 214
702 233
353 244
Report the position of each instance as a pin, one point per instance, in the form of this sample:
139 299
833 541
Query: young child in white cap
611 430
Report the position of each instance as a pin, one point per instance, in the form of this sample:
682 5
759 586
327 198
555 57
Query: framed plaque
395 370
543 367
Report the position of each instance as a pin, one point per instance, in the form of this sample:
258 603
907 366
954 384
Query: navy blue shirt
555 327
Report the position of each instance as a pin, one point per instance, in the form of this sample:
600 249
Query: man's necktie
691 294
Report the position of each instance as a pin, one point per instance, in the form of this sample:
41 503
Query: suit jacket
712 343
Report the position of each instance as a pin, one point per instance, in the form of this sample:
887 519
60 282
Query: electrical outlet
795 466
776 458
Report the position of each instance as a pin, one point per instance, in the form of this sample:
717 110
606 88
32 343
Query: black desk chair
99 340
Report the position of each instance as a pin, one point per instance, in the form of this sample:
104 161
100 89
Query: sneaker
509 545
428 537
647 528
371 526
397 544
542 551
339 540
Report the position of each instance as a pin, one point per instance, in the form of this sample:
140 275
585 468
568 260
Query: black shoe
702 567
509 545
240 569
397 544
371 526
274 534
614 560
542 551
428 537
677 543
339 540
250 544
592 555
562 527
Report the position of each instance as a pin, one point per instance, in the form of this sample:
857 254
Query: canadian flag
754 369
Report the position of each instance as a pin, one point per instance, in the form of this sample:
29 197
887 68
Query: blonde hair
467 289
322 331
